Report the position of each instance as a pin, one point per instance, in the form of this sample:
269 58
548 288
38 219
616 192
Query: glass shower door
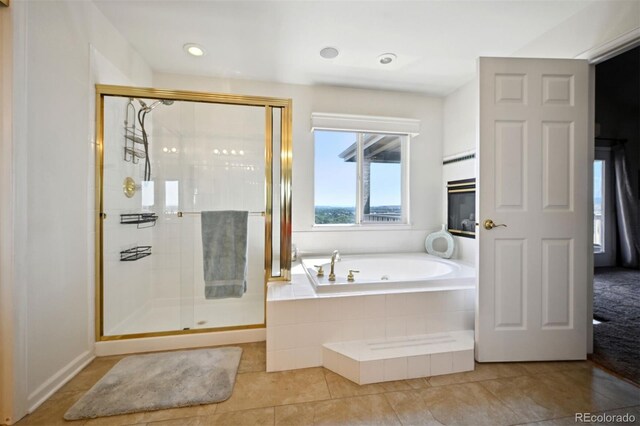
163 158
220 165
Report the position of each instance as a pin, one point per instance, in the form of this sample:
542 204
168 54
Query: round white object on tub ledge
431 238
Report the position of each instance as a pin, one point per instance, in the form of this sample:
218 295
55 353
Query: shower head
142 113
158 102
148 108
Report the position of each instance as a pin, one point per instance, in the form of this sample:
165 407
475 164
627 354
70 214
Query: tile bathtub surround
493 394
297 328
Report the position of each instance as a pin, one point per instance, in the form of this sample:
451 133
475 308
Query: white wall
52 143
460 120
425 166
595 26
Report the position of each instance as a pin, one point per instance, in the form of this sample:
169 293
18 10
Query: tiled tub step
407 357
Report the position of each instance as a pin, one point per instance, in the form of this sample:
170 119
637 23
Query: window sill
367 227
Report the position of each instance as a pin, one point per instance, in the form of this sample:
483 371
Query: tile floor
546 393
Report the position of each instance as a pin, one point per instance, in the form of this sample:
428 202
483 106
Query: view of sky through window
598 213
335 179
336 172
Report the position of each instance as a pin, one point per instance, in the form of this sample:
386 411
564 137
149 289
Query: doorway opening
616 199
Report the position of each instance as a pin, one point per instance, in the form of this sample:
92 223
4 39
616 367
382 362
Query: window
171 196
598 206
360 178
147 194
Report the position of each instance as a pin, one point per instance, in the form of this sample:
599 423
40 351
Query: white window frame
402 127
607 257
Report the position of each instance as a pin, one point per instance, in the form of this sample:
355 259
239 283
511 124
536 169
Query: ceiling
436 42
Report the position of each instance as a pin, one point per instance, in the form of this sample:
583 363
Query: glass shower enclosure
162 159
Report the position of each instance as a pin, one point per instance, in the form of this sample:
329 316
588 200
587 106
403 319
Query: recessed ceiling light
329 52
193 49
387 58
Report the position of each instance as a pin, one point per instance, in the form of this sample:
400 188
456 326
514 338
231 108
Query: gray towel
224 249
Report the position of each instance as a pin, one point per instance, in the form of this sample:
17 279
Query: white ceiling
437 42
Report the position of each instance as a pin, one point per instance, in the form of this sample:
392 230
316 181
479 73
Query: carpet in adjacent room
616 302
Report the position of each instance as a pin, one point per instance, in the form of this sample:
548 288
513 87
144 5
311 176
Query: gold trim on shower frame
285 194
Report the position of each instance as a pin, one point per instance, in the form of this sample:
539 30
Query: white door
534 163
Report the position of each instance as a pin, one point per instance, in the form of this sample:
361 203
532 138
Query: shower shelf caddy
138 219
133 154
132 136
135 253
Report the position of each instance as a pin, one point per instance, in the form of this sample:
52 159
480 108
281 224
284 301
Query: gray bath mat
158 381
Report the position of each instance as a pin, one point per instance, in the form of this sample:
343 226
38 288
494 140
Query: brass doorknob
489 224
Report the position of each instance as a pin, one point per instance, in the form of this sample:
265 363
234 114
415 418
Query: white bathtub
390 272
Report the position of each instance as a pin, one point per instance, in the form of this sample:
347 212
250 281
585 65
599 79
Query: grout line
326 382
384 395
274 415
526 374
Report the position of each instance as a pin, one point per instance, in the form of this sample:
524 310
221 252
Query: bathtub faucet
335 256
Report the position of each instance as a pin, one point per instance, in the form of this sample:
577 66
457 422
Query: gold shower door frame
269 104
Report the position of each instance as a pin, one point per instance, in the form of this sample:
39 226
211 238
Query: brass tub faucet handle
350 277
320 272
335 257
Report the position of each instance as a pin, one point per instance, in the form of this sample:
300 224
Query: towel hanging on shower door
224 251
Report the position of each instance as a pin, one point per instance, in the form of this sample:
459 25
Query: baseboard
59 379
185 341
